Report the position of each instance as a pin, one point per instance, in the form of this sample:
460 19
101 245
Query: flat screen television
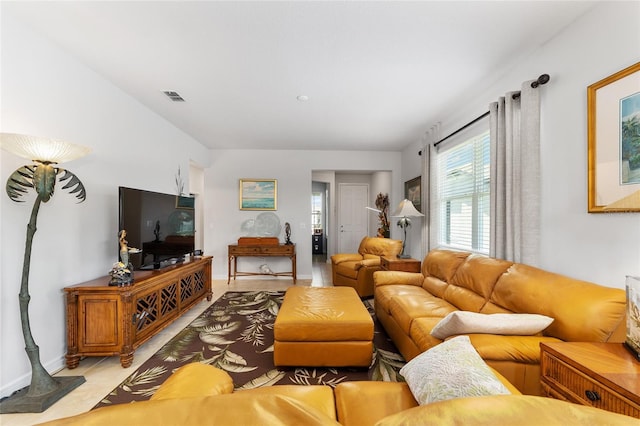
160 225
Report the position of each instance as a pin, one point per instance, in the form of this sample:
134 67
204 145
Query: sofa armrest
345 257
364 403
194 380
397 277
371 262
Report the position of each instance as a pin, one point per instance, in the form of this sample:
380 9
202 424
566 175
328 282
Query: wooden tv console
105 320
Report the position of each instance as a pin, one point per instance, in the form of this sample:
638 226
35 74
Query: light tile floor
103 374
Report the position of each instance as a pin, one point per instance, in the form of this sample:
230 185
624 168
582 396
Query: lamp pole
44 389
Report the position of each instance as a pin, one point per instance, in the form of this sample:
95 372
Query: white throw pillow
465 322
452 369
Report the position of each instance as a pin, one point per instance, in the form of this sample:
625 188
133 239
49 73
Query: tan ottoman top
322 314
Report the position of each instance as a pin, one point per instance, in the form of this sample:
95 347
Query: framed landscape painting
613 119
258 194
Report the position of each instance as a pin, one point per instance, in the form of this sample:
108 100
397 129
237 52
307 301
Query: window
462 176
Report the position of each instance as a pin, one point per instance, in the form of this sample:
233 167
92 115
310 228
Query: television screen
160 225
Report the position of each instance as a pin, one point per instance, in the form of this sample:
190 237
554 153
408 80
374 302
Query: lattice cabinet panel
104 320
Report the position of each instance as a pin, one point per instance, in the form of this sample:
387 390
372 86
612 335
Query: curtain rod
462 128
543 79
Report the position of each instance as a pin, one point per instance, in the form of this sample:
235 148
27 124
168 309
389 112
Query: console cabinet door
99 319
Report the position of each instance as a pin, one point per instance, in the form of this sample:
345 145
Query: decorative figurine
122 272
287 233
156 232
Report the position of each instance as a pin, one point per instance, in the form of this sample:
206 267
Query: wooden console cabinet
104 320
601 375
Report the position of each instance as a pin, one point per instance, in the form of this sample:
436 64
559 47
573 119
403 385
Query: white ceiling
377 74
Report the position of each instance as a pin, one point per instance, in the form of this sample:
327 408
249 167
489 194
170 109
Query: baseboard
53 367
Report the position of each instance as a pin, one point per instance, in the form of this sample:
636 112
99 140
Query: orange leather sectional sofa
199 394
409 305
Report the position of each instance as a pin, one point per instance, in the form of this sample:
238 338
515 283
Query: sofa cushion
384 294
452 369
583 311
420 332
405 309
480 274
506 410
443 264
465 322
524 349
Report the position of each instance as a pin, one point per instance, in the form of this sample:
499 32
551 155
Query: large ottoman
323 327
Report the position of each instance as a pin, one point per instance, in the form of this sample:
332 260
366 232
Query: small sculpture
122 272
287 233
156 232
264 269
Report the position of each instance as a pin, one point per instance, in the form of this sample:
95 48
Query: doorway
352 216
319 220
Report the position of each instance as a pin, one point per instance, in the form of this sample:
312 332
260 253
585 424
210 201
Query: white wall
293 170
601 248
45 92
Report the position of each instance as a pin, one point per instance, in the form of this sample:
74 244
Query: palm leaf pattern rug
235 334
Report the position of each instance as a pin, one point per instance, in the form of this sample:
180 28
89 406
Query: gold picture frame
258 194
413 192
613 112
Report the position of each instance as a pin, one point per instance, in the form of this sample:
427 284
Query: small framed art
258 194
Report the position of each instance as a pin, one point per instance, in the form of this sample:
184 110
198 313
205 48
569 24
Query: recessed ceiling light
303 98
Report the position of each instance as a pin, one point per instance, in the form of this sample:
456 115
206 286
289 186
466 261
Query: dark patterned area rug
236 334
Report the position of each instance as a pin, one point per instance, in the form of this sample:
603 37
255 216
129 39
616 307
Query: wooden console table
601 375
261 250
105 320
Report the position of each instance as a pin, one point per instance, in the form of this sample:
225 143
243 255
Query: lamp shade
41 149
406 209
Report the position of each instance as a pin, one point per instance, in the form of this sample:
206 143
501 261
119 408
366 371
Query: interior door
352 216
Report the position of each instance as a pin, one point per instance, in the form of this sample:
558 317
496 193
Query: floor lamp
41 176
405 210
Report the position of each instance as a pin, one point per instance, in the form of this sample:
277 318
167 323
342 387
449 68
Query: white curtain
515 176
429 222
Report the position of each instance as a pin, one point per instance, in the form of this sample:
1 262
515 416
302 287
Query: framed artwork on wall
613 119
413 192
258 194
183 202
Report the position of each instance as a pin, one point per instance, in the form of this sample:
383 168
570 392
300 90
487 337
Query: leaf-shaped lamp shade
44 150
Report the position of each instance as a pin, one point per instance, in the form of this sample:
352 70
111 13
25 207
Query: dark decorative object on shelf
287 233
41 175
156 231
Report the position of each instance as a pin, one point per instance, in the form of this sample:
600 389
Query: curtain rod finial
543 79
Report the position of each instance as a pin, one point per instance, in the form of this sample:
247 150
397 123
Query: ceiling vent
174 96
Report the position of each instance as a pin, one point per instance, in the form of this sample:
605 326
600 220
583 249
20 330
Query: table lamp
405 210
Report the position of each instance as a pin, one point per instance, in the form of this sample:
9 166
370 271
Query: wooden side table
601 375
397 264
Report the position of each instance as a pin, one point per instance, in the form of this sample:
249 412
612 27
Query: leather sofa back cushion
582 311
480 274
442 264
379 246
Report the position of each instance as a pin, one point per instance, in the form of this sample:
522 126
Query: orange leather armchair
356 269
